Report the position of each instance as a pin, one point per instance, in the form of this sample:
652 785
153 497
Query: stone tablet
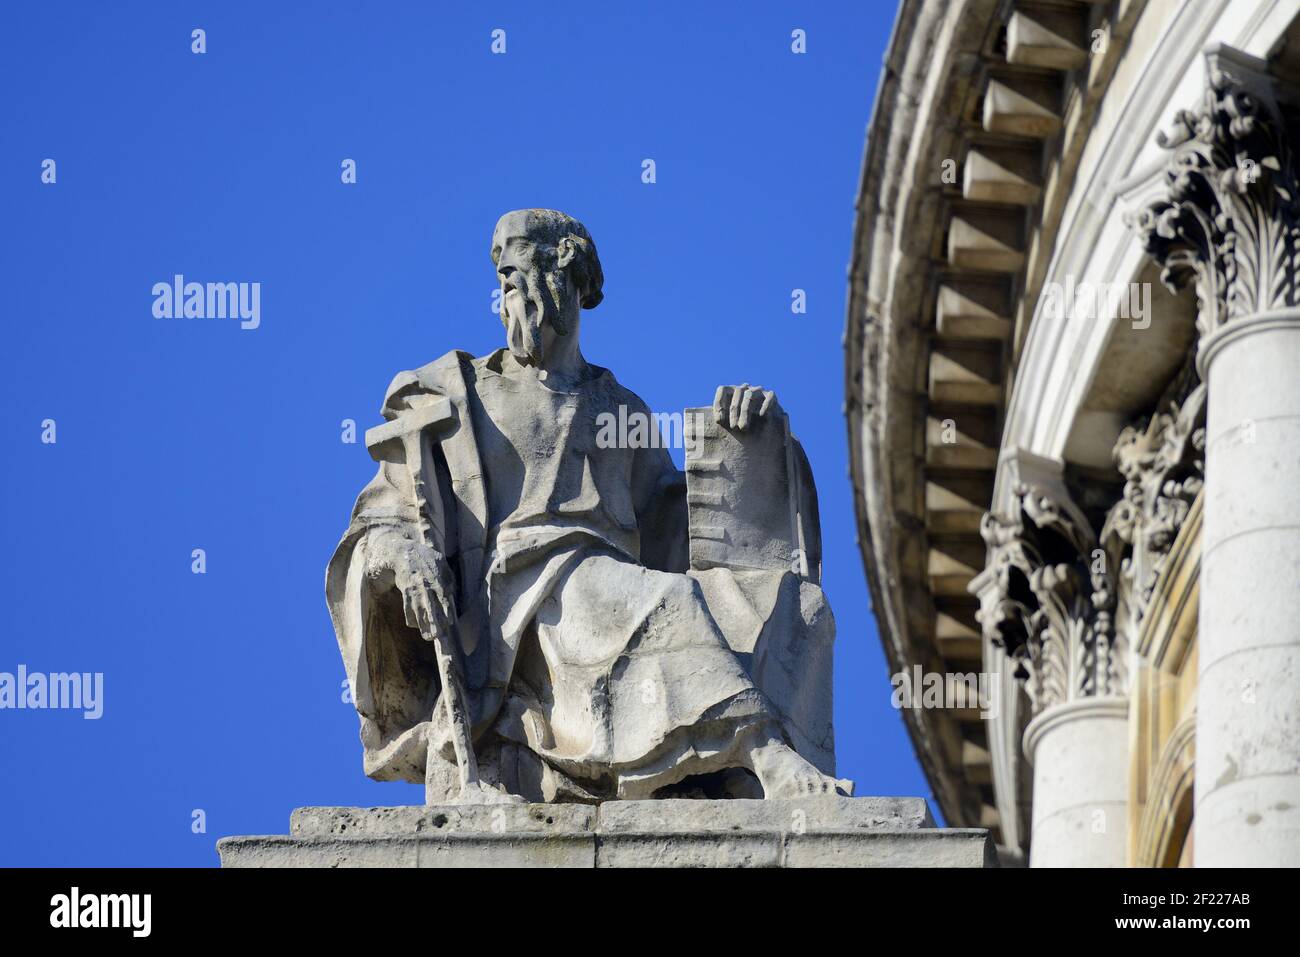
742 494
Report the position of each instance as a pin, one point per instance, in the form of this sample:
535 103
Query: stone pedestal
1079 751
1248 695
808 832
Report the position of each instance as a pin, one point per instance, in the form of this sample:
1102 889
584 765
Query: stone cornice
938 268
931 64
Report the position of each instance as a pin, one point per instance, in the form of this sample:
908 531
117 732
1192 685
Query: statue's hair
550 229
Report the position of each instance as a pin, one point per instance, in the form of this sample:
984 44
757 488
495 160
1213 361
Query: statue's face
537 298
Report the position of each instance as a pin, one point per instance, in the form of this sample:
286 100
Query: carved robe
594 667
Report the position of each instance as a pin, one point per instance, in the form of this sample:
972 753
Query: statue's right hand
420 573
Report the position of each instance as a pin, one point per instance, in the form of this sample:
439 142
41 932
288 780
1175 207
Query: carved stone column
1229 222
1047 597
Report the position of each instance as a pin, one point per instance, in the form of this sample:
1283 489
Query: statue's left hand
739 405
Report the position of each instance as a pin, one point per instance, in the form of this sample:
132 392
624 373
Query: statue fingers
442 605
416 607
409 609
721 398
737 394
769 399
745 403
441 586
429 626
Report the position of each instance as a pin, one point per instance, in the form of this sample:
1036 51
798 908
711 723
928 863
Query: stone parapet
808 832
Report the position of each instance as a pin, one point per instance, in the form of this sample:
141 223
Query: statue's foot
480 793
785 774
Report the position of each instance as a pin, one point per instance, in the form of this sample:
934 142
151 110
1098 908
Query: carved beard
542 293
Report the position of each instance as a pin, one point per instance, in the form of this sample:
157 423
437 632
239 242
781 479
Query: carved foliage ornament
1163 464
1051 606
1229 219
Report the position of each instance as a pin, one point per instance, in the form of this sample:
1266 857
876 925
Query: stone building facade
1074 414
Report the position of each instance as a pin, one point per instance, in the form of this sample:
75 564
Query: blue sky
222 690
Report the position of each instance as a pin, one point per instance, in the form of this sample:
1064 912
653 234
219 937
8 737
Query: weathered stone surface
808 814
650 682
932 847
443 819
803 832
700 849
454 850
649 633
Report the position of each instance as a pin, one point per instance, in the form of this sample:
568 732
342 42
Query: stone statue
527 613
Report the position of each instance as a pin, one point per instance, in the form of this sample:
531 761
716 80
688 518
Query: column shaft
1080 755
1247 789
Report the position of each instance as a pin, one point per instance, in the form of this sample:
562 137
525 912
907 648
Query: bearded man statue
588 660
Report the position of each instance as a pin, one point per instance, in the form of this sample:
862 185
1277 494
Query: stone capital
1047 598
1229 218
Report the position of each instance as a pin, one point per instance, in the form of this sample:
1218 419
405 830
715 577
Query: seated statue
527 613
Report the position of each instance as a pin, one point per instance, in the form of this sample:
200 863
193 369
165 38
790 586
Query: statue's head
548 268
